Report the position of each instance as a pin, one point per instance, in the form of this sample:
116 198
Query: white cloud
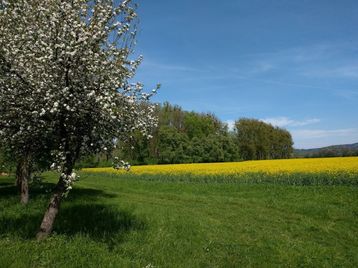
283 121
315 138
230 124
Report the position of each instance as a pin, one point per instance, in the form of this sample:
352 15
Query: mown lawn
126 221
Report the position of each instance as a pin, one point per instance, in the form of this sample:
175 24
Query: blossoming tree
69 66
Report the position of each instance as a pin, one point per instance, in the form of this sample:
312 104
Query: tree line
191 137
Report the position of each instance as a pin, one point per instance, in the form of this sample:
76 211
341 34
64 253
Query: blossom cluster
121 164
68 181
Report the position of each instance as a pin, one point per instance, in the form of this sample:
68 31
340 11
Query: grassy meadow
254 214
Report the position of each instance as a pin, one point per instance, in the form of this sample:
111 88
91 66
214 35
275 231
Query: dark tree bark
52 210
23 173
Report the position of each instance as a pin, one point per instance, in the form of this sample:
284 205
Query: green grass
129 221
284 178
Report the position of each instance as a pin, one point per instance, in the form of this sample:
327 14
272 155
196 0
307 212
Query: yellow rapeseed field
311 165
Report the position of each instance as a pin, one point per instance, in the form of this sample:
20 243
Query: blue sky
291 63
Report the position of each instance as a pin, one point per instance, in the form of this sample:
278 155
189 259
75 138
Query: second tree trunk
23 172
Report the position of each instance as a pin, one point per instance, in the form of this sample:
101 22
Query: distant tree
172 146
213 149
197 150
171 115
200 125
258 140
246 134
229 147
282 144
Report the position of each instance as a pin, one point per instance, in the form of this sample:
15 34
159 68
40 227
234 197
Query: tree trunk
52 210
18 177
24 191
23 172
55 202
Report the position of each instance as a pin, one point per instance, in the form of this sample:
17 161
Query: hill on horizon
329 151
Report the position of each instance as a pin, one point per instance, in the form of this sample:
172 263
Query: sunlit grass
145 221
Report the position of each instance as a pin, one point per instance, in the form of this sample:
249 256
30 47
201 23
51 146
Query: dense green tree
258 140
197 150
199 125
213 149
172 146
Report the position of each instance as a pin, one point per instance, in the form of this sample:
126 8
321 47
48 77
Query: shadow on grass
6 181
81 214
3 184
45 189
10 190
99 222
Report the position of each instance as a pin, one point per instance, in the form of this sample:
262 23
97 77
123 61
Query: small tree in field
74 57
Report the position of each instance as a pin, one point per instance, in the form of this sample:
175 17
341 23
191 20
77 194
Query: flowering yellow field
312 165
